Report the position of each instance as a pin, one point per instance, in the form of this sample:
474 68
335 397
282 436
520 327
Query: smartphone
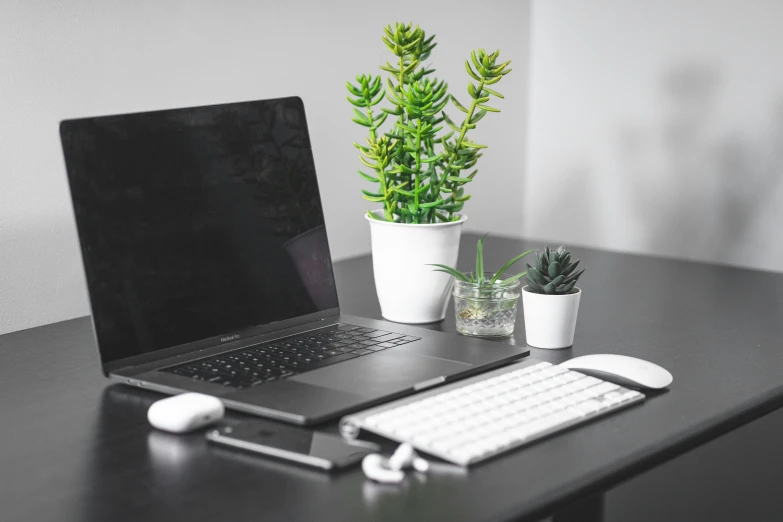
308 447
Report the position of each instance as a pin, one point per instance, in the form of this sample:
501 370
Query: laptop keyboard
282 358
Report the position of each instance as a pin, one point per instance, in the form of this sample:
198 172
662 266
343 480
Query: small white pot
410 291
550 320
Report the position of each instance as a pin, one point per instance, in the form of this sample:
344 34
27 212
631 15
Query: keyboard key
376 333
362 351
387 337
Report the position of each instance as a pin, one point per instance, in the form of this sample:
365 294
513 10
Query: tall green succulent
554 272
419 164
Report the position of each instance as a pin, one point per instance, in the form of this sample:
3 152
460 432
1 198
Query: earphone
405 457
376 467
390 471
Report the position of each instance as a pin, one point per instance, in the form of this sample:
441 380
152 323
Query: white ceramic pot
410 291
550 320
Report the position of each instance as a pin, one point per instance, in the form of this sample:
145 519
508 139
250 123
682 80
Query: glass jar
486 310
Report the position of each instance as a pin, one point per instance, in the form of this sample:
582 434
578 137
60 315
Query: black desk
73 448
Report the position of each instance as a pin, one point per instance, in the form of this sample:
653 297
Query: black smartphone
308 447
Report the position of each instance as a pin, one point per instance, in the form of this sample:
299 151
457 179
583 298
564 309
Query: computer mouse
621 369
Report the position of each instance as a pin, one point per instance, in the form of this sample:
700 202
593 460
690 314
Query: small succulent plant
554 272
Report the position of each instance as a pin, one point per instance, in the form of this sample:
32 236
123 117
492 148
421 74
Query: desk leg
588 509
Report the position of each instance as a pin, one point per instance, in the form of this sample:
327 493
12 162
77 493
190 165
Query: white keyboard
482 416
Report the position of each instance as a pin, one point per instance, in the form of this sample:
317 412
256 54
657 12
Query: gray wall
657 127
80 58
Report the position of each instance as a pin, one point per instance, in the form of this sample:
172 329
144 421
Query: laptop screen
197 223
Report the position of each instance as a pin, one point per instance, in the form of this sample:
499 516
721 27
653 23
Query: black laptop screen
197 223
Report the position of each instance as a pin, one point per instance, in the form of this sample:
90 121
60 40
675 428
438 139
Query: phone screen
315 448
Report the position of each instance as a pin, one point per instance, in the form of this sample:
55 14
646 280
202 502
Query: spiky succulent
554 272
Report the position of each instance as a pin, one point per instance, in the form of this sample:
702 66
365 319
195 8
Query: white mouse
622 370
186 412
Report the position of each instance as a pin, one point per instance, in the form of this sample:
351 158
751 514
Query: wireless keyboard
477 418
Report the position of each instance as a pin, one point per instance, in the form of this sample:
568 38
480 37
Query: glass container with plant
485 303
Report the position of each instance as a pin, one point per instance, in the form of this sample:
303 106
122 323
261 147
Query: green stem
458 145
433 178
418 170
401 120
381 173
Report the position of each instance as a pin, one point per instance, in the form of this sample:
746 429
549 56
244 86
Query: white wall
80 58
657 126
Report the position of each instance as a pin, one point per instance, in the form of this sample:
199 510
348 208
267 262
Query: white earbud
421 465
406 457
375 467
403 457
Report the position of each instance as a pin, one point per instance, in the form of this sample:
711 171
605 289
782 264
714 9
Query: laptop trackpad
381 373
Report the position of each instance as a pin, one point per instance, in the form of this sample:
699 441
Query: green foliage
422 161
479 277
554 272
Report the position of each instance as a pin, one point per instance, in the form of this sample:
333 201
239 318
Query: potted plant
485 303
419 160
551 299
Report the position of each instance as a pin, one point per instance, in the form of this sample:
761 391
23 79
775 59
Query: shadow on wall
694 185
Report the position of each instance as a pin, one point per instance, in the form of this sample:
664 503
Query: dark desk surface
73 448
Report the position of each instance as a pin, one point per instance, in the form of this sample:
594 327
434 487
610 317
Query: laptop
208 268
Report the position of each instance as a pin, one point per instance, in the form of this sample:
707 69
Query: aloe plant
420 162
554 272
479 277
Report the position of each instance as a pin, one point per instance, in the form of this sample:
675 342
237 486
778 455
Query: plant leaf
514 278
470 71
487 108
535 275
480 259
361 116
566 288
494 93
477 117
357 103
534 286
361 158
572 277
554 269
451 123
368 177
508 265
449 270
433 204
551 287
458 105
570 268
